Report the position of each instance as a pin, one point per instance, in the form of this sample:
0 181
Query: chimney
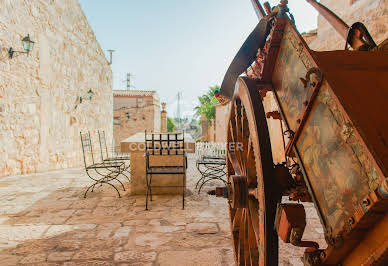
163 119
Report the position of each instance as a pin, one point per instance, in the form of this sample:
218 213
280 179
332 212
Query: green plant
207 104
170 125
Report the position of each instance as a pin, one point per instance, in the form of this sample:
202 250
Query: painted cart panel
334 161
292 64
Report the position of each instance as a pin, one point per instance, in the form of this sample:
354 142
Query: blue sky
176 46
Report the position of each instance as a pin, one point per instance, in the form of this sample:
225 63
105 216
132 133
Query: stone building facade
373 13
40 113
207 130
221 127
135 111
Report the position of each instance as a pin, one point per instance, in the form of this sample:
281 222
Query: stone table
135 145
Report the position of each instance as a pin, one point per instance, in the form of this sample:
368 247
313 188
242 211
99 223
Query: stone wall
373 13
221 122
135 111
131 120
40 120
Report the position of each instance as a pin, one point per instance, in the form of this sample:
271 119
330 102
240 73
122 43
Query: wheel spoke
245 140
233 160
254 215
246 239
238 130
237 220
241 236
253 250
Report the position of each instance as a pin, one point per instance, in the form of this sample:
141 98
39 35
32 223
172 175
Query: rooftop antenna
110 56
129 86
178 112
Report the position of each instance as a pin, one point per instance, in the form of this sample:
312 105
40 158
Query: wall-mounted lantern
27 43
89 95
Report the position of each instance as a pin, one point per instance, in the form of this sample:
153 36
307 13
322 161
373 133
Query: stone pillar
163 119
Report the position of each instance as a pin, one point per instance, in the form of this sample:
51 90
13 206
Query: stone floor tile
152 240
33 258
204 257
89 263
202 228
55 230
21 232
166 229
136 222
59 256
123 231
9 259
85 203
93 255
68 245
135 256
46 221
190 241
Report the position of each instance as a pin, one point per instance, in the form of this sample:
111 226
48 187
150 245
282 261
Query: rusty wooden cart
313 127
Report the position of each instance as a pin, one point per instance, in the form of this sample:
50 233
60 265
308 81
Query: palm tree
207 104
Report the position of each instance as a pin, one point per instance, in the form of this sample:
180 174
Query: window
140 100
116 120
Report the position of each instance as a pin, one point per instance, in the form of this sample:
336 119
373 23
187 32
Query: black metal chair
211 167
165 144
105 155
105 172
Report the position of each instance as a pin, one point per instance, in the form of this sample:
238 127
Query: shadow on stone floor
63 228
44 220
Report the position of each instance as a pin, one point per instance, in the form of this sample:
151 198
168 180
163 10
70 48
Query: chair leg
114 188
86 192
183 191
147 193
150 187
120 183
125 175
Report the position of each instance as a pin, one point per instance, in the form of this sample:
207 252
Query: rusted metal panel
334 160
292 64
359 81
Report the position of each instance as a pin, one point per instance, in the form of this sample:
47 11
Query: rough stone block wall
373 13
39 118
140 119
221 122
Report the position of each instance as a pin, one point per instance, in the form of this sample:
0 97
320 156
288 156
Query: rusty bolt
322 255
366 202
298 121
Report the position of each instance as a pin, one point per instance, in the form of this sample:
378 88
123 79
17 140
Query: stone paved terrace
44 220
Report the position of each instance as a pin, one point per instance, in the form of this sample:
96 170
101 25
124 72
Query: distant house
135 111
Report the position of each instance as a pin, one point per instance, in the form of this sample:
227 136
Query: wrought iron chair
165 144
105 172
211 167
105 155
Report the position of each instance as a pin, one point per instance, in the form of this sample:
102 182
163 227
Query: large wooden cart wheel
252 192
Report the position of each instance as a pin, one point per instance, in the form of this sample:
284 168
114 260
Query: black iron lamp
28 44
89 95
